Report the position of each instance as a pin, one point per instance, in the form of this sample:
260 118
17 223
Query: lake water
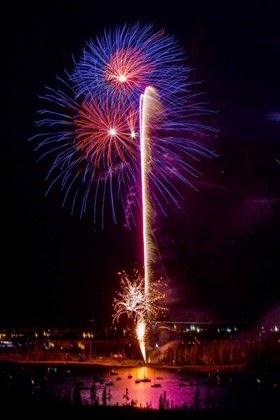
238 391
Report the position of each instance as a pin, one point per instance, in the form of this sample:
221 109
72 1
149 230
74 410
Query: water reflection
241 392
145 386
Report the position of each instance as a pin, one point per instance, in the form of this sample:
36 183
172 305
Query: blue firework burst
91 124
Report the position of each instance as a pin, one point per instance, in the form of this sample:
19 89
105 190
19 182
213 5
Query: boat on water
129 376
113 372
118 378
145 379
156 384
137 381
110 383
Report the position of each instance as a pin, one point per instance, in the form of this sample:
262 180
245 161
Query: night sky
220 250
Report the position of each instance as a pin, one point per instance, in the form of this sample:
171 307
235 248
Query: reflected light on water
181 390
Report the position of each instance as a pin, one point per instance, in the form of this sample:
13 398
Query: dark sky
220 250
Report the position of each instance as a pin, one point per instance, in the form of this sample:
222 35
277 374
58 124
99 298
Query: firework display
123 126
143 306
91 126
123 62
134 302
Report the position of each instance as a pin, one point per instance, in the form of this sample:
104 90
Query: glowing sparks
112 132
141 330
142 308
150 109
125 71
141 334
127 113
132 299
105 129
93 128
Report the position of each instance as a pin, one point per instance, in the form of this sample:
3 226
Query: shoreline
128 364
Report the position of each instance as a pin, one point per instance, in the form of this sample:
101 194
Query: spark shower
122 128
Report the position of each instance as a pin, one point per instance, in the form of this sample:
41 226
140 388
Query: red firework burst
127 70
106 129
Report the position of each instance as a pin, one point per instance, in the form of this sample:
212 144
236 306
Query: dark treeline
243 351
249 353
